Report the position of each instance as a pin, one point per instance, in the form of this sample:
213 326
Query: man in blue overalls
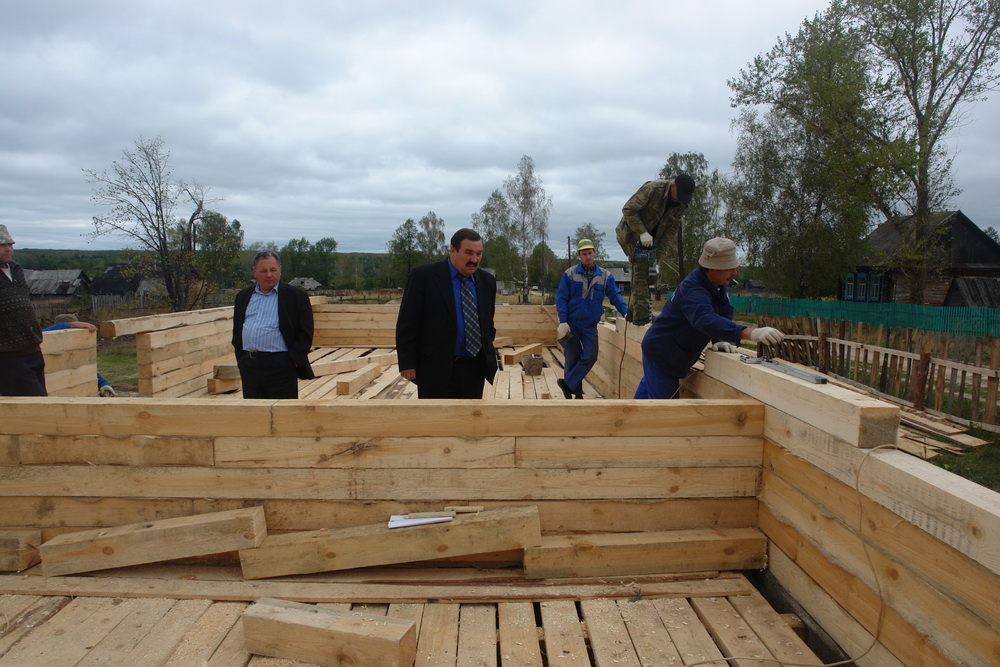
580 303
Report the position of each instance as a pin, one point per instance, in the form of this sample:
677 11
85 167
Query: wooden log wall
877 545
177 352
70 362
949 375
589 467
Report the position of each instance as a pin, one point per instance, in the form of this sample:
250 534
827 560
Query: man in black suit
272 333
445 352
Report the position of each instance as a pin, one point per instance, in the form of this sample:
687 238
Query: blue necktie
473 339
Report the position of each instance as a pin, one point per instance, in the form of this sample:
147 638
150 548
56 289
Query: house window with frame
875 287
849 287
861 293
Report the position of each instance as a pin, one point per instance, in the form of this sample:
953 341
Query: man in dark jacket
22 367
444 330
698 312
272 333
580 304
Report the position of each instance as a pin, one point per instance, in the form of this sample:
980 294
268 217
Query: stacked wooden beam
883 549
589 467
70 362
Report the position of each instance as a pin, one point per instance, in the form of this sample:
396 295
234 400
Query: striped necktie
473 339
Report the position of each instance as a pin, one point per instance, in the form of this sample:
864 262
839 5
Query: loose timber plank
293 630
162 640
609 637
232 651
518 635
161 540
437 645
200 641
564 641
512 358
477 635
686 631
326 591
377 544
649 636
112 649
779 638
355 380
66 637
19 549
731 632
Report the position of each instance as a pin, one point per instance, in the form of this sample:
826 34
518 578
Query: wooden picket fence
941 373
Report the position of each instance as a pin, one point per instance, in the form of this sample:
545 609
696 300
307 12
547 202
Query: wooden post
990 414
977 381
918 385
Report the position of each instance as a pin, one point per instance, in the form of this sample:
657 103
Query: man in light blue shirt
272 333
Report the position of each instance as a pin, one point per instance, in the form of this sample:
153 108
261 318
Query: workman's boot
567 392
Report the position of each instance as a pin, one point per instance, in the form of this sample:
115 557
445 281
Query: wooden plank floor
510 383
649 620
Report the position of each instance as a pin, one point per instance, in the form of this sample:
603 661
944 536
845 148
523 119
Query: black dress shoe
580 396
565 389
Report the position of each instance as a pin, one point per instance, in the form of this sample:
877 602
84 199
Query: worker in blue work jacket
697 314
580 303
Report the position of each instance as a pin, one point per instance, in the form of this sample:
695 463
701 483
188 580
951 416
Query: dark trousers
22 374
466 381
268 375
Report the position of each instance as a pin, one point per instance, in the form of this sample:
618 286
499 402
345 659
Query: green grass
118 366
981 465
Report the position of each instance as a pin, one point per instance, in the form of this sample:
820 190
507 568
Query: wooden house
56 283
760 517
970 261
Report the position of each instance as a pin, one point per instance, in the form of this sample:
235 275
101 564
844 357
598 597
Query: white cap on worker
5 235
720 254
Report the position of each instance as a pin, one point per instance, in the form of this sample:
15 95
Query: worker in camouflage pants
650 219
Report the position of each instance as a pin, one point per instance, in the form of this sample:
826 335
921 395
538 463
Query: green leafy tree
544 267
295 258
529 209
884 82
785 209
495 224
218 244
404 252
430 237
321 261
143 202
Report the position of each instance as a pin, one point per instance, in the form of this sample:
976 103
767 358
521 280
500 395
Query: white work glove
562 330
766 335
646 239
723 346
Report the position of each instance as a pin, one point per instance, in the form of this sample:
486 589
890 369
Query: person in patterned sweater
22 366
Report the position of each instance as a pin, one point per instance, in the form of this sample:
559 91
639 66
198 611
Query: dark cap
685 187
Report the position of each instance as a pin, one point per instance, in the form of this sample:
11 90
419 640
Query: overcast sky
343 119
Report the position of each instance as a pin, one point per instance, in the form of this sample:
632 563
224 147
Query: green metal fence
958 321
